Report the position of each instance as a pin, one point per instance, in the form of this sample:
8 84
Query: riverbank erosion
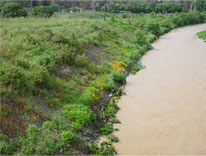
163 111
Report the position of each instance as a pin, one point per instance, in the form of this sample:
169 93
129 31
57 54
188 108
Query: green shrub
167 7
6 145
106 148
119 76
13 77
68 136
2 3
107 129
200 5
153 26
37 142
202 35
42 11
137 66
79 113
140 37
55 8
13 10
110 110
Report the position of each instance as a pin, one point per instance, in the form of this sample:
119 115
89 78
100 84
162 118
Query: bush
80 114
13 10
6 146
107 129
42 11
38 143
106 148
55 8
200 5
68 136
202 35
153 26
167 7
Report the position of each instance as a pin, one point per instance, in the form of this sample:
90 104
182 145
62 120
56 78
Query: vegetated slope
202 35
56 76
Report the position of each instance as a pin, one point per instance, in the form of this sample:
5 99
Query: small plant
202 35
113 138
106 148
80 114
6 146
110 110
137 66
107 129
68 136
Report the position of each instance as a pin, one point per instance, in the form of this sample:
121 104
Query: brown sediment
164 109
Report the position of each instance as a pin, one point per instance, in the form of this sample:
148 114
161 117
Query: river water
164 109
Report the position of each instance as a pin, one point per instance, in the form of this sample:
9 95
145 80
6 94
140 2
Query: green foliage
113 138
6 146
167 7
49 64
137 66
38 143
55 8
202 35
13 10
107 129
140 37
153 26
200 5
90 96
143 7
106 148
49 125
119 75
183 19
68 136
79 113
43 11
110 110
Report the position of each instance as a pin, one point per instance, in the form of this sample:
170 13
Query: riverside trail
163 110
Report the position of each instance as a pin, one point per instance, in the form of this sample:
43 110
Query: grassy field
61 77
202 35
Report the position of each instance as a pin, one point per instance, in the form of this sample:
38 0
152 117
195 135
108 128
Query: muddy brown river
164 109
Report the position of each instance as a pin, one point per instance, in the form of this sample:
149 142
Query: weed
107 129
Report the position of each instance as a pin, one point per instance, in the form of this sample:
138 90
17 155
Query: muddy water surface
164 109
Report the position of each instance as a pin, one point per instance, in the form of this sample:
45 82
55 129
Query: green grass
55 72
202 35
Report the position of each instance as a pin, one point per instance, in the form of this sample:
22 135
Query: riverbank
163 109
56 73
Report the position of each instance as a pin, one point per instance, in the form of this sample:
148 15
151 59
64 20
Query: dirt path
164 109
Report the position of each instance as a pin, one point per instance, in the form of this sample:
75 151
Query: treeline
143 7
12 9
154 6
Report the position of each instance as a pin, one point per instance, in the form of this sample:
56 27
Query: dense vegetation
58 75
143 7
200 5
43 11
202 35
12 10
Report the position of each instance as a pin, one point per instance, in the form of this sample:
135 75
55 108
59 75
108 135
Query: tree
200 5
